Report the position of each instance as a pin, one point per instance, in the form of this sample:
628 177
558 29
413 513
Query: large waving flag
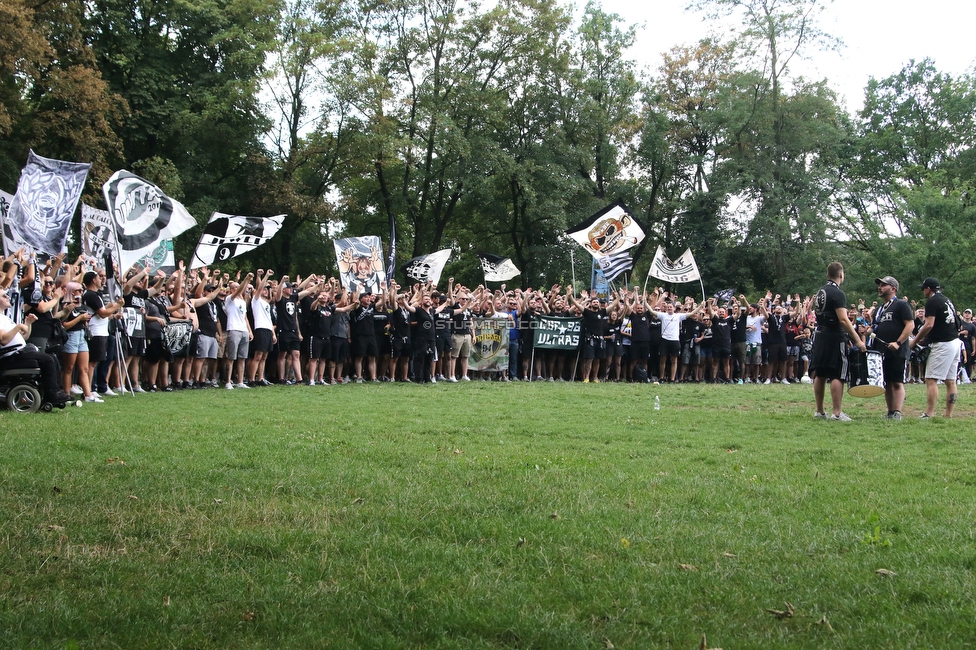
143 216
497 268
427 268
40 213
611 230
683 269
360 262
228 236
613 265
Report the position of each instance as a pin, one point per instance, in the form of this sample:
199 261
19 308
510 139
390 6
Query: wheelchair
21 389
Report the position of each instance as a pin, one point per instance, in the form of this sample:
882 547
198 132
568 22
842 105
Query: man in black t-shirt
829 347
941 333
893 325
722 326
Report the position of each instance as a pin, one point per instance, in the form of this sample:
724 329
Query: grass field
487 516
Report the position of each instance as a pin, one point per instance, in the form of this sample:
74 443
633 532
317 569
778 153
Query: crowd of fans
208 329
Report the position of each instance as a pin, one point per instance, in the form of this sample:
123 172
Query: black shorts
893 369
443 344
365 347
721 353
594 348
384 346
670 348
289 342
262 340
136 346
339 349
402 347
829 358
156 351
640 350
97 349
777 352
319 347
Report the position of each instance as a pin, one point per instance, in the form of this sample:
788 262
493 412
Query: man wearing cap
829 359
893 325
941 333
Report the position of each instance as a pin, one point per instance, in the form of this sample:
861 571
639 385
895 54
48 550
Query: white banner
683 269
228 236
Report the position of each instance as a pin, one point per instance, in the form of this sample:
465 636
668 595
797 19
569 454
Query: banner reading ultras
556 333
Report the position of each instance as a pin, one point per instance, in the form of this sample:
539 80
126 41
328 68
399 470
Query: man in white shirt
239 334
670 336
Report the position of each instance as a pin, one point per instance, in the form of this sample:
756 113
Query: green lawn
487 516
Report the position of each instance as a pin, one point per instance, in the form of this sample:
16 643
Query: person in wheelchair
14 350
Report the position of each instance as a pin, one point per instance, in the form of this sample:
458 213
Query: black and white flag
427 268
683 269
360 261
497 269
228 236
40 212
98 236
611 230
724 295
613 265
143 217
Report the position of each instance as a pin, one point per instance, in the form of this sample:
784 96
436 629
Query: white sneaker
241 385
748 380
311 382
138 389
843 417
785 381
452 379
109 393
76 390
94 398
766 383
466 378
433 380
229 386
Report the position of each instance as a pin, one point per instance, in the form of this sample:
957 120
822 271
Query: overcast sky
880 37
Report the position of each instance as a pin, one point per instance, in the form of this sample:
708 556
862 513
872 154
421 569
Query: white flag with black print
611 230
98 236
360 262
683 269
39 214
497 268
613 265
143 216
427 268
228 236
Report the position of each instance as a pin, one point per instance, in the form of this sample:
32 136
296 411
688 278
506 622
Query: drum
865 375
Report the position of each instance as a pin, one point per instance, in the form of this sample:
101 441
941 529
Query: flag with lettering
683 269
228 236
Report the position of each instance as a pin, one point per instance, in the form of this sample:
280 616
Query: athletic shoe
265 382
843 417
819 416
333 382
596 381
766 383
94 398
466 378
739 382
311 382
168 389
539 378
441 377
748 380
925 416
153 389
452 379
895 415
108 392
138 389
241 385
229 386
76 390
586 381
785 381
359 380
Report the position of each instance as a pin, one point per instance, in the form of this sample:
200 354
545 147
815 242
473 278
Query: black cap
931 283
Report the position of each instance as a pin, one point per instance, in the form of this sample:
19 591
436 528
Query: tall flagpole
572 263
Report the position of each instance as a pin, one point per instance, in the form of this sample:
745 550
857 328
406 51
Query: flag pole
572 263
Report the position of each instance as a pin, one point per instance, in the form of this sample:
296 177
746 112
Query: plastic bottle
657 403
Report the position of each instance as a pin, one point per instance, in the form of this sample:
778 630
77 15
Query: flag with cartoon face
40 212
360 261
143 217
610 231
